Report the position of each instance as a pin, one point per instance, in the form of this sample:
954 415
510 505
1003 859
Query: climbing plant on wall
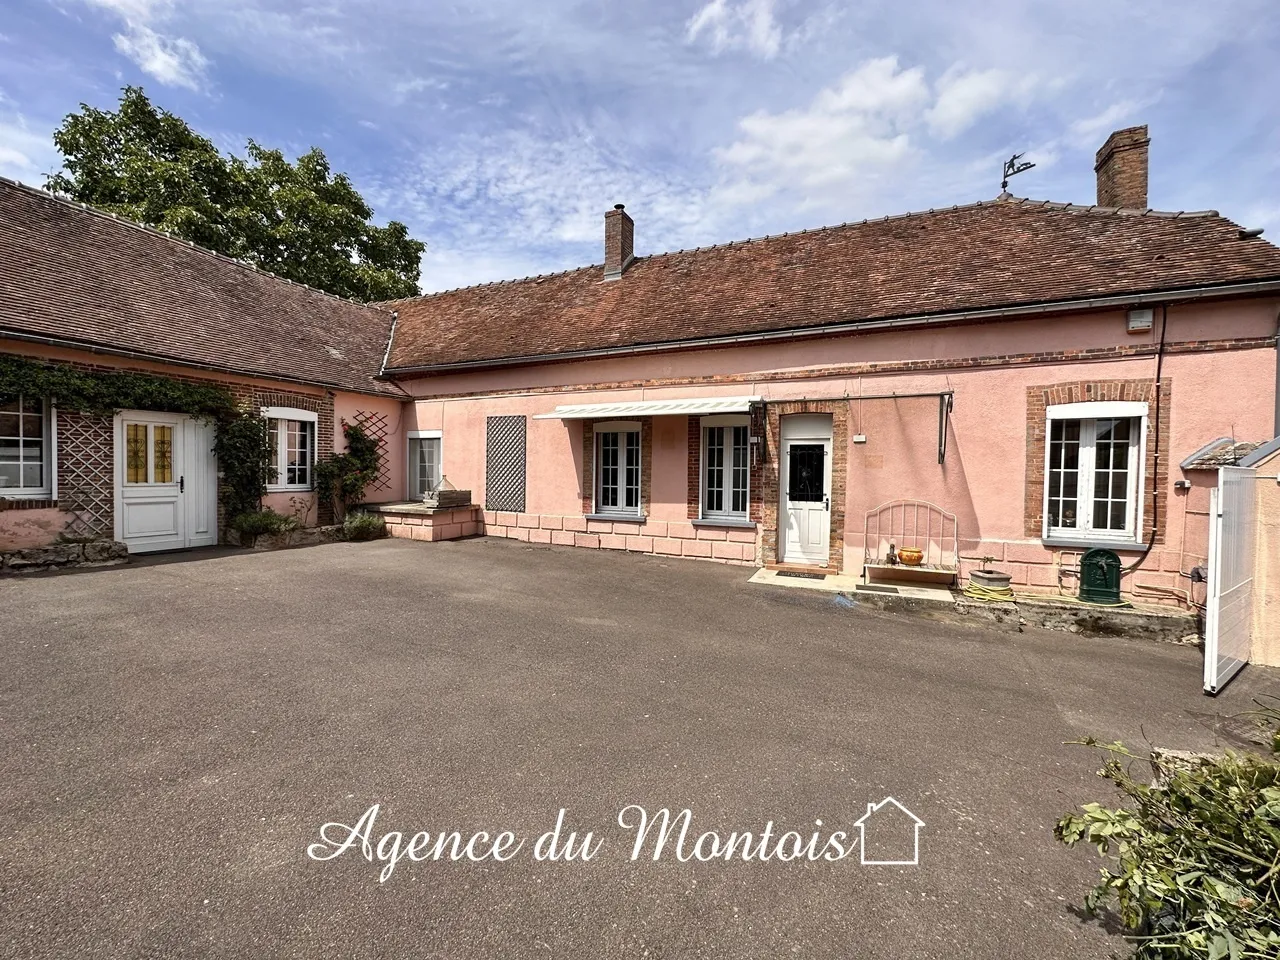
240 444
341 479
106 392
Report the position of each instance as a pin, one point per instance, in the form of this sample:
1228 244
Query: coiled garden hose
988 594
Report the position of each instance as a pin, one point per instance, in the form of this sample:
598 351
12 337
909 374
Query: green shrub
1195 862
363 526
266 522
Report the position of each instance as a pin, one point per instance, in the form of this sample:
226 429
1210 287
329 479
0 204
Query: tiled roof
1223 452
1003 253
87 278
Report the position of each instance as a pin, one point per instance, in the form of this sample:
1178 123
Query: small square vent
1140 320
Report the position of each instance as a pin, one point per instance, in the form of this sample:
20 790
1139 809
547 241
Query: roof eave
1205 292
90 347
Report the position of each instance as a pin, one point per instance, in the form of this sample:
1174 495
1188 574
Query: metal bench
912 523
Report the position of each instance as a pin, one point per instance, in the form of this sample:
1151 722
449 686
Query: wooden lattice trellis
377 427
86 447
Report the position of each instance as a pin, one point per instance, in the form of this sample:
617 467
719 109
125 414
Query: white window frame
1085 535
728 421
411 467
620 427
280 456
49 455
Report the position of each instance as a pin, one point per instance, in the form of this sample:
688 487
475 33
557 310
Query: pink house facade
1009 383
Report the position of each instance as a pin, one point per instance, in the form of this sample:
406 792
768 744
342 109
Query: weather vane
1012 168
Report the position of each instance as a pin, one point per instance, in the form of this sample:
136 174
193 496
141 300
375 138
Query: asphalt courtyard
173 737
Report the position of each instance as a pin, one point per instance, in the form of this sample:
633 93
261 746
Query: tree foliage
1195 860
298 220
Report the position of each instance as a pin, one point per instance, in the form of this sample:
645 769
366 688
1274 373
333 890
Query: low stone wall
414 521
94 553
672 538
1165 624
302 537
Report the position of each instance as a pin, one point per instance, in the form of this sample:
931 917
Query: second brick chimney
619 242
1121 167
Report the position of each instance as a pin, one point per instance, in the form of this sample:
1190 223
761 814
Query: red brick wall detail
1156 477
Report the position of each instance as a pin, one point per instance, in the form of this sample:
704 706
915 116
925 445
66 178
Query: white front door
805 489
166 486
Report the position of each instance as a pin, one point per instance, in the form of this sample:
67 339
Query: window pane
633 470
1111 506
1063 476
30 405
10 406
33 426
136 453
1118 515
805 473
608 470
9 475
163 440
740 470
714 459
33 474
10 450
297 451
9 425
431 448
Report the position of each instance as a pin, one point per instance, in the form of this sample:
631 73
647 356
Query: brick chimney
619 242
1122 169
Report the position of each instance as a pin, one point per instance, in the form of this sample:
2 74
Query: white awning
690 406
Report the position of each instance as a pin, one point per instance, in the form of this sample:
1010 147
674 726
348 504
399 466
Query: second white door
806 490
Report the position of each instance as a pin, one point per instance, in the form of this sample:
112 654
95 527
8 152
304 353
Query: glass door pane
137 453
806 473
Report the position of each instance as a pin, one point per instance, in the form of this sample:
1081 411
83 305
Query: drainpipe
1155 464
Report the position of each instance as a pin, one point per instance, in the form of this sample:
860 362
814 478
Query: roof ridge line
534 278
173 238
1066 207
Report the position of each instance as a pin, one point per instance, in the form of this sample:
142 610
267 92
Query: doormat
874 588
802 576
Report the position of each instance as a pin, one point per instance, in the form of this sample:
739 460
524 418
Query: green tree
298 220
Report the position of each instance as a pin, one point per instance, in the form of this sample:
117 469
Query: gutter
856 326
7 334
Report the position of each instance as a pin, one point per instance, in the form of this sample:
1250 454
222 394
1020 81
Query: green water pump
1100 577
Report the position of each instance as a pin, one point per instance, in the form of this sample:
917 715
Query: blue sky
501 131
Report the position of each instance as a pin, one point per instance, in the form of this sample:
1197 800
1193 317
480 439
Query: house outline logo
861 824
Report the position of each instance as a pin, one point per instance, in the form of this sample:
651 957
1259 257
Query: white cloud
403 89
1091 129
174 61
25 154
748 25
963 97
850 133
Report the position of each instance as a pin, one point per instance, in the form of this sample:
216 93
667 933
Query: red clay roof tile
995 254
79 275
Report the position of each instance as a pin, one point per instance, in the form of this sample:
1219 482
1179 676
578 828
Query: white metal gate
1228 623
